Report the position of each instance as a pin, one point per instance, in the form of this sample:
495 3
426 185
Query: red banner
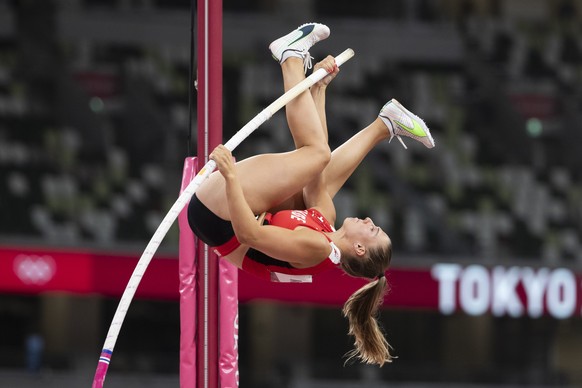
33 271
410 288
450 288
540 106
102 84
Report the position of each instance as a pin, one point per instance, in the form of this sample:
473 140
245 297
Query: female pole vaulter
297 237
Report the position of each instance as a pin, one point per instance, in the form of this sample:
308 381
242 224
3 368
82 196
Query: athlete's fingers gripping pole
181 202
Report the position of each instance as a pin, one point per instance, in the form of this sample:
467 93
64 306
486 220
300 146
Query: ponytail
361 309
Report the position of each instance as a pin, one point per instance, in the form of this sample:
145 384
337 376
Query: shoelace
397 136
307 64
401 142
399 139
307 58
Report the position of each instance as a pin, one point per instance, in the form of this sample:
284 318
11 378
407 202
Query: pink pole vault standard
228 324
227 364
181 203
209 65
187 273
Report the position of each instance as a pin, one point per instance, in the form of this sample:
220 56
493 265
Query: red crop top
280 271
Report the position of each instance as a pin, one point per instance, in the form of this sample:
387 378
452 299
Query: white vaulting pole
181 202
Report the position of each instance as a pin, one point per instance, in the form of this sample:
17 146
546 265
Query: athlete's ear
359 249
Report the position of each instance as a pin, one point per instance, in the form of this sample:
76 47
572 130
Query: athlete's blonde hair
361 308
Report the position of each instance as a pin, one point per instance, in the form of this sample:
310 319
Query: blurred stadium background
93 128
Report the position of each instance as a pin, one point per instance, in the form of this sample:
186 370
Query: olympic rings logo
33 269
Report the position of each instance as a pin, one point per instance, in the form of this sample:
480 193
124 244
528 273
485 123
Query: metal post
209 107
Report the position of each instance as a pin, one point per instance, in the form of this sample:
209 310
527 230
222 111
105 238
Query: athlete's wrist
230 176
318 89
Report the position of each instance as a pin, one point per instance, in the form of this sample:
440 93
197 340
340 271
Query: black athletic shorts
216 232
210 228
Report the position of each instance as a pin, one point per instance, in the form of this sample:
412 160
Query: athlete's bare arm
301 245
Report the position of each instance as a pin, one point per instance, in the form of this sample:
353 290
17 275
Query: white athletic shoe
401 122
298 42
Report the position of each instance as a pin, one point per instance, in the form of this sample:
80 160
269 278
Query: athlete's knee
322 155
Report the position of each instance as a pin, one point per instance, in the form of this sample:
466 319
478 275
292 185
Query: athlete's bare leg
269 179
344 161
347 157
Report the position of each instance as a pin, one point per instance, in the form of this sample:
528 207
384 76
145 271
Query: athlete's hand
330 66
223 158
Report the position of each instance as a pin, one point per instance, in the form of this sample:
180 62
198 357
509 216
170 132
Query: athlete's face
365 232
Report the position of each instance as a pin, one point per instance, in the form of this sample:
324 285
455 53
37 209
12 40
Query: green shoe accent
415 130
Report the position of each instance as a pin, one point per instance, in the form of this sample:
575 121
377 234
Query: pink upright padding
228 347
187 277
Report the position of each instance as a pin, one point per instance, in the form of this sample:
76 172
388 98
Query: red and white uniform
272 269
